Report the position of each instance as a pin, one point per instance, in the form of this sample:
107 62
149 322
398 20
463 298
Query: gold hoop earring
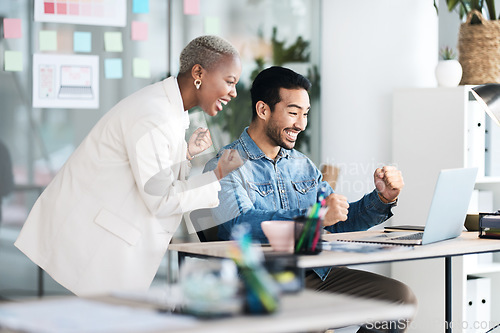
197 83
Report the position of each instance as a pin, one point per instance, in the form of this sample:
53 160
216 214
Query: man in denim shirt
279 183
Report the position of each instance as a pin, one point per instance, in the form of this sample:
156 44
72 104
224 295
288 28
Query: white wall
449 25
369 48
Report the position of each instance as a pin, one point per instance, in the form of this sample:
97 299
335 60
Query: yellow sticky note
113 41
48 40
13 61
141 68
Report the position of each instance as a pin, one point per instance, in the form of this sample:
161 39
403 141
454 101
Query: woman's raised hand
199 141
229 161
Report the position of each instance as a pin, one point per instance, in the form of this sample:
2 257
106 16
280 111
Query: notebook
446 216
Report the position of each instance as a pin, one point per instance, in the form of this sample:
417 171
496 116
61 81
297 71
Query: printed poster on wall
65 81
89 12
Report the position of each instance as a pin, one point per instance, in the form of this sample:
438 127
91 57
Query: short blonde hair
205 51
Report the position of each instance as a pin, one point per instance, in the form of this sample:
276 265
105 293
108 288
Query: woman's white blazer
105 221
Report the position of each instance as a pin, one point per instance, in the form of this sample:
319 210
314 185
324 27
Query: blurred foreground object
261 290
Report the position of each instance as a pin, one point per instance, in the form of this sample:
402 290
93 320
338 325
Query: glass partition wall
40 140
266 32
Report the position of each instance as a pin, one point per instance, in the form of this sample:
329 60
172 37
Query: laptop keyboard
75 92
417 235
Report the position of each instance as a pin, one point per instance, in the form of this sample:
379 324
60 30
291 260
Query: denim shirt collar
254 152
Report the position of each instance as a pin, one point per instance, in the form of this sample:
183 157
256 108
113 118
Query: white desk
310 311
304 311
467 243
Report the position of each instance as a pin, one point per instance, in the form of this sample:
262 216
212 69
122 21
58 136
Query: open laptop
447 212
76 82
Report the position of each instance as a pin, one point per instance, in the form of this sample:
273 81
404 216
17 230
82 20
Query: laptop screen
76 76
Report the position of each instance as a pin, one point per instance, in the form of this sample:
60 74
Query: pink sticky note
139 30
12 28
191 7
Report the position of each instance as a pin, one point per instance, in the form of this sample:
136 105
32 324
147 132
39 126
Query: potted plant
448 70
465 7
478 40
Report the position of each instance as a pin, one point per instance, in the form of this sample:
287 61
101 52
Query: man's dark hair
267 84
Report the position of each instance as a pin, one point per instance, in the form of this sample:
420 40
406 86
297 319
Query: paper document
362 247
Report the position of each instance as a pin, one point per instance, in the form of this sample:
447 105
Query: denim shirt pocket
306 192
261 195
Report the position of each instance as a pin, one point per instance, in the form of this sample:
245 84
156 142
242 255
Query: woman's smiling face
218 85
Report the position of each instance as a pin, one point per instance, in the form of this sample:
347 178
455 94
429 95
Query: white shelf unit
432 129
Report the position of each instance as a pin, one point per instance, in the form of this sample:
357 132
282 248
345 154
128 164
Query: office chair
206 228
204 224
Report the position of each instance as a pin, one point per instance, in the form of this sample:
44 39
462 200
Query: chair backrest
204 224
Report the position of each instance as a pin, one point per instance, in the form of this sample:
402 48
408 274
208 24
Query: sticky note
48 40
113 41
13 61
191 7
82 41
12 28
212 26
113 68
139 30
140 6
141 68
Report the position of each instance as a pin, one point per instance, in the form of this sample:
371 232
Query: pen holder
308 235
261 291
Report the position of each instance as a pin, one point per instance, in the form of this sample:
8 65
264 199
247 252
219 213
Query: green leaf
475 5
452 4
490 4
464 8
